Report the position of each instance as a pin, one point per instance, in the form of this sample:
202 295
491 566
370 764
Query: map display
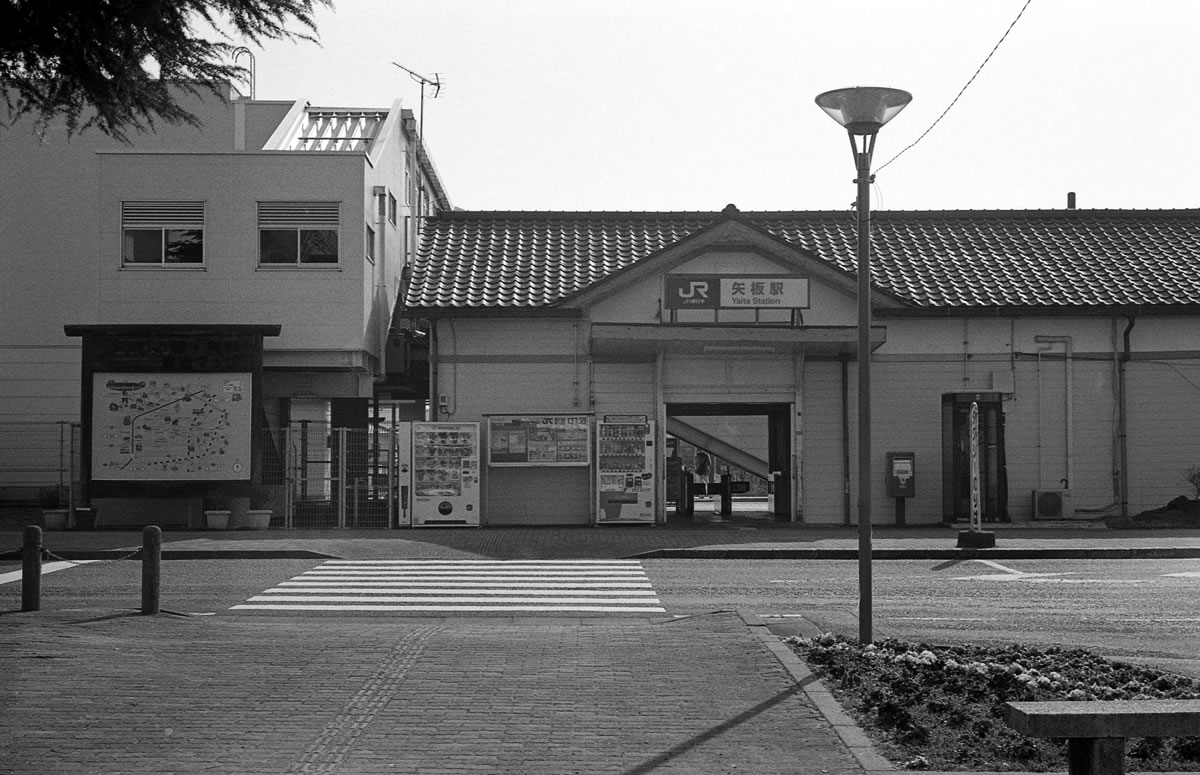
162 427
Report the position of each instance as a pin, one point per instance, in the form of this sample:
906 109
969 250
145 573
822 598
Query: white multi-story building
270 213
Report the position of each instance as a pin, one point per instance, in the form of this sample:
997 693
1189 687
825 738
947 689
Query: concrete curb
847 730
1049 553
195 554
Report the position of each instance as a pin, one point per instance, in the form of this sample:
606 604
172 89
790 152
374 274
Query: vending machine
625 462
445 473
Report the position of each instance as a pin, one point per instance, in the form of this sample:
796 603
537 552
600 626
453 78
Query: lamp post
862 110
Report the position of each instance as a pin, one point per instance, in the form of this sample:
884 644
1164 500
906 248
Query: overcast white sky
693 104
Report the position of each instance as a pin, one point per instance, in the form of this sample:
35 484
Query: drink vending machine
627 490
445 473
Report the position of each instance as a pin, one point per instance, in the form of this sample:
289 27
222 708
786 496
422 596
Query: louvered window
298 233
162 234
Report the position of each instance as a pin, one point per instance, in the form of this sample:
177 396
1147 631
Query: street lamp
863 110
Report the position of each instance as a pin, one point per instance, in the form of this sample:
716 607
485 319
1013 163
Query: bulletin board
540 440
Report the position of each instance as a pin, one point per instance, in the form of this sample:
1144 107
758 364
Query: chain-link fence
39 461
313 476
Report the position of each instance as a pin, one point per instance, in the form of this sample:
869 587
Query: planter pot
85 518
258 519
55 519
216 520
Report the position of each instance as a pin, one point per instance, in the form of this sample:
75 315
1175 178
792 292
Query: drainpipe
845 439
381 280
1066 342
434 382
1123 420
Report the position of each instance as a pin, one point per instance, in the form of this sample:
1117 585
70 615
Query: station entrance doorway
750 440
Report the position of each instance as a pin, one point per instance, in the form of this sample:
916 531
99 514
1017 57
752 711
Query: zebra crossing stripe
599 586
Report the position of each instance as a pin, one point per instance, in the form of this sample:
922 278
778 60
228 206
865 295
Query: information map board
539 440
163 427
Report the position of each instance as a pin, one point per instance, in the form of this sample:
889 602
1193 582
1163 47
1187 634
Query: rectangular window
370 239
298 233
167 234
391 208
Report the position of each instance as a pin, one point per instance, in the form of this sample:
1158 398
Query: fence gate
340 477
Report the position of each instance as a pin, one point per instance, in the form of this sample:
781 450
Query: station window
298 233
163 234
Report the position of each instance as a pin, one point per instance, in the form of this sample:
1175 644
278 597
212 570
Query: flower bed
941 707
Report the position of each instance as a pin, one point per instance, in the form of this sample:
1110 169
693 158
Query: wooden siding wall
822 476
1164 429
728 379
531 367
496 366
624 388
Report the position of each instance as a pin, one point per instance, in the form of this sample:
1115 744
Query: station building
1074 333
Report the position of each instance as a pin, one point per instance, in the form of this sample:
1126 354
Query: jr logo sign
685 291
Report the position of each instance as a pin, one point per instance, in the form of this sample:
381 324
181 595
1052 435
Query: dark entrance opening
956 457
778 447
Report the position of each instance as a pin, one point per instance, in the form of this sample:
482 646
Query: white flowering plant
942 707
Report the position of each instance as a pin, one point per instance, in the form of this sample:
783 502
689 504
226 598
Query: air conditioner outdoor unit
1053 504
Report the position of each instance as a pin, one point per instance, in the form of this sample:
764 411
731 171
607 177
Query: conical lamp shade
863 109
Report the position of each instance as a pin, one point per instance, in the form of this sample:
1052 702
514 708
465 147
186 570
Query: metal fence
335 477
313 476
36 457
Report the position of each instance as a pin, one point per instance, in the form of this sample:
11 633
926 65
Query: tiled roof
927 259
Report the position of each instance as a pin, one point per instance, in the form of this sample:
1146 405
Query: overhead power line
963 89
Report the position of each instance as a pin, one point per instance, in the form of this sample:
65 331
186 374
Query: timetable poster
539 440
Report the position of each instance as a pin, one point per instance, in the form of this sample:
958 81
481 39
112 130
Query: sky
690 105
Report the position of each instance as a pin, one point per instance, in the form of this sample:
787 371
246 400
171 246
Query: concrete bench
1096 730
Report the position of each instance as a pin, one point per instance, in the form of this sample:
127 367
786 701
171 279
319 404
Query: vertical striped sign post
975 538
976 512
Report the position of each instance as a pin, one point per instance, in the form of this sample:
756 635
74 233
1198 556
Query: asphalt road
1147 610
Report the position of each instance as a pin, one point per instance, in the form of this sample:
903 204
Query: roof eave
1041 310
431 313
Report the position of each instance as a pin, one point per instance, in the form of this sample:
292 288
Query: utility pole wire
960 91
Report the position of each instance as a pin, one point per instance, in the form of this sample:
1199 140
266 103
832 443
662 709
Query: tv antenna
435 82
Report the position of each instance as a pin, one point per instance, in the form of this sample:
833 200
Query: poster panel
171 427
539 440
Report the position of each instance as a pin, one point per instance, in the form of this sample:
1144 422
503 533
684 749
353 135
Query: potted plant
56 510
216 510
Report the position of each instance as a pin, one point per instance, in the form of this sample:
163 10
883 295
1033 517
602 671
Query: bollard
151 568
31 569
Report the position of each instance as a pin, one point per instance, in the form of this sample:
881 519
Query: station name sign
752 291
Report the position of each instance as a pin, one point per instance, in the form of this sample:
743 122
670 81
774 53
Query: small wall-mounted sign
753 291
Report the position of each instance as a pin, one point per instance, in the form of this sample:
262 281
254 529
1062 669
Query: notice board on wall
539 440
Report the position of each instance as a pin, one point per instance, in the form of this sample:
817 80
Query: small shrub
1191 475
